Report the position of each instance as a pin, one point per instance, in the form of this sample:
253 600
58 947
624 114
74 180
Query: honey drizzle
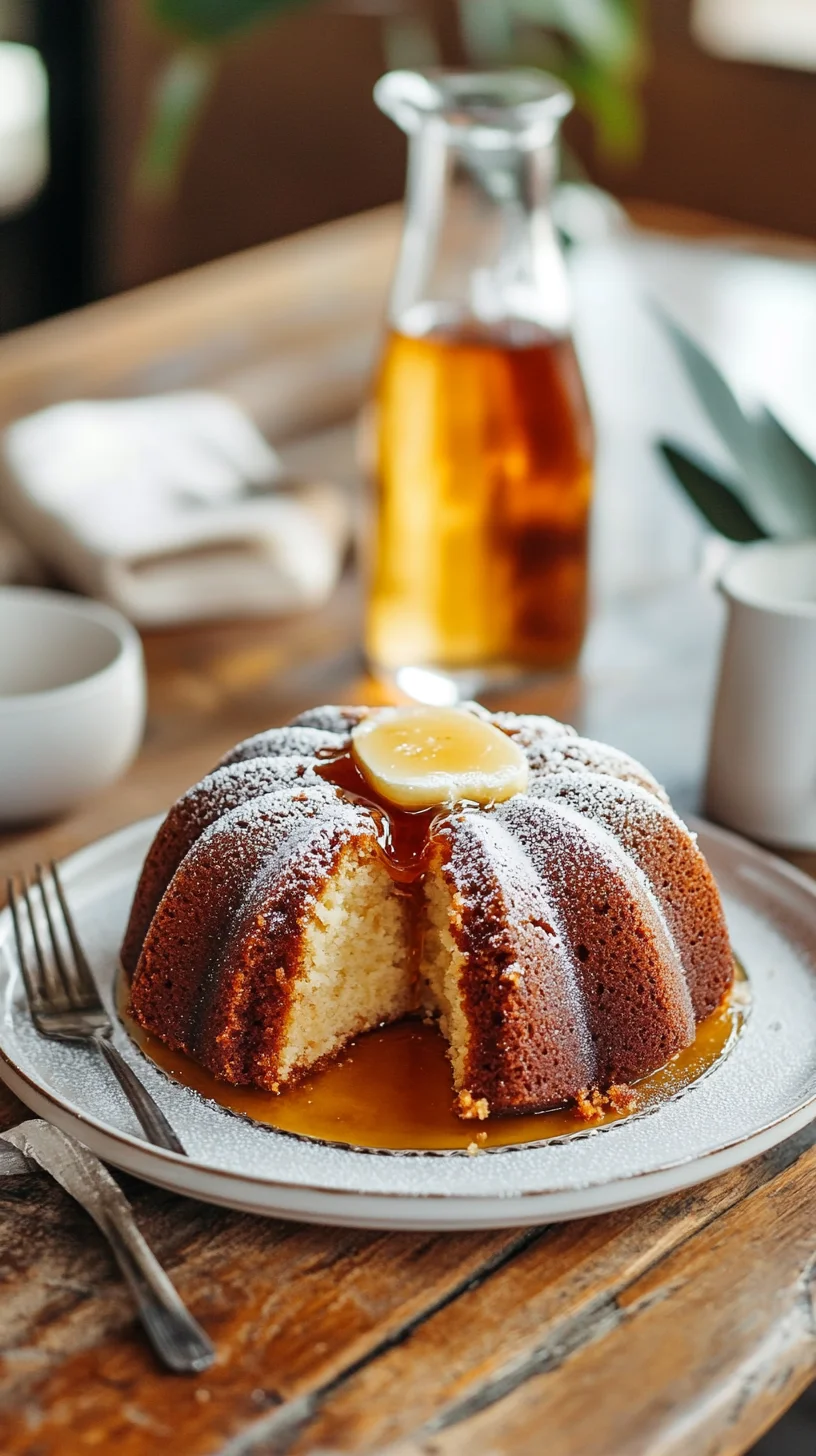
391 1089
404 839
404 836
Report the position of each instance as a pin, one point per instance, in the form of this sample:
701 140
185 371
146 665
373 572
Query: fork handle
154 1123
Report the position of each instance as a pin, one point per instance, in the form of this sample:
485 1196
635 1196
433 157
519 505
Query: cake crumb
591 1104
622 1098
588 1104
473 1150
472 1108
280 975
481 1137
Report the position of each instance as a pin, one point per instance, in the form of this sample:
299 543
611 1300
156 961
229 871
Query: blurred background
140 137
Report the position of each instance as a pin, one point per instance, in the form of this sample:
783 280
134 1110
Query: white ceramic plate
763 1091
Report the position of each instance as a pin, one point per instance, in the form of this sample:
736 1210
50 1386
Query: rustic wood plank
293 1309
289 1307
219 321
696 1358
557 1294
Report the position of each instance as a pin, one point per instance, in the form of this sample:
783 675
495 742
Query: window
779 32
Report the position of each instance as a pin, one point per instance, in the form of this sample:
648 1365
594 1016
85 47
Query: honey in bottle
482 436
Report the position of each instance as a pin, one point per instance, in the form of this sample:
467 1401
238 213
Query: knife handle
176 1337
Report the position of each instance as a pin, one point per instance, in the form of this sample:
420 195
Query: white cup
72 700
762 756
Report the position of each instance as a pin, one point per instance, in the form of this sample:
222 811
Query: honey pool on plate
391 1089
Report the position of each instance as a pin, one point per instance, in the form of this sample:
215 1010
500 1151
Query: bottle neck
479 248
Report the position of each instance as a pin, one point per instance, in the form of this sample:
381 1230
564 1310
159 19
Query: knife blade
176 1337
12 1161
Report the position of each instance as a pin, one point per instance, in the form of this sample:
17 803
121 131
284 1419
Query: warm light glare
426 686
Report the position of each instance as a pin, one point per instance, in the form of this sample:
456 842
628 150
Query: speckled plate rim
423 1209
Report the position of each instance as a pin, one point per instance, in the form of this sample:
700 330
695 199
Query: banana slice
417 758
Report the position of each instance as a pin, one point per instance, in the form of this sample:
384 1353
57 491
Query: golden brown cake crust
582 986
215 973
588 924
224 789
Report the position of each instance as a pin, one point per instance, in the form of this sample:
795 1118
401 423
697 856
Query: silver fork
63 999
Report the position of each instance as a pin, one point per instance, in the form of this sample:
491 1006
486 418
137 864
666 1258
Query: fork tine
51 990
31 990
85 975
67 972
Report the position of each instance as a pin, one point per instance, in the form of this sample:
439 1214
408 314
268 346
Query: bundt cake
559 920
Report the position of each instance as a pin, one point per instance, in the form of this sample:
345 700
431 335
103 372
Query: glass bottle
481 431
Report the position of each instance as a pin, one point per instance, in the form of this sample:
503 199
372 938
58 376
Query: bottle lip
511 106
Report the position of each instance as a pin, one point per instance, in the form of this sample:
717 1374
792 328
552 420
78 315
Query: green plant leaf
786 461
608 31
214 20
715 499
778 480
408 42
178 95
612 104
597 46
712 389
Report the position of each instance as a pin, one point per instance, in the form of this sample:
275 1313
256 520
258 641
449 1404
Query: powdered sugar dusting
227 788
331 718
530 731
294 823
607 845
470 832
284 742
579 755
486 855
599 795
289 809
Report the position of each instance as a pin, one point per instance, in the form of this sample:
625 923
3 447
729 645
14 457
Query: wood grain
564 1294
301 315
743 1344
289 1308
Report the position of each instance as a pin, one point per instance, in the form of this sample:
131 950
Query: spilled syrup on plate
391 1088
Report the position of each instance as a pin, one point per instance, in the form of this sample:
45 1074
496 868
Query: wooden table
683 1328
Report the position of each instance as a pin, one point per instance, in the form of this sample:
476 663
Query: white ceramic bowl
72 700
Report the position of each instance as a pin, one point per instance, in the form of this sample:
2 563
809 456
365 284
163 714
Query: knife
12 1162
177 1339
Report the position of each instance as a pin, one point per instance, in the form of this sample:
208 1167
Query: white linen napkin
172 508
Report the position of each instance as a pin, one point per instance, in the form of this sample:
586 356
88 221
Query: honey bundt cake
541 898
